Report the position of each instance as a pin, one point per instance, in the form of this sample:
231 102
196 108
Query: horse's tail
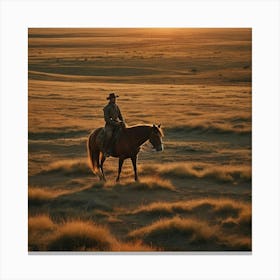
93 151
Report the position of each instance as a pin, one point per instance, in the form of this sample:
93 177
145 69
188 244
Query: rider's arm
120 115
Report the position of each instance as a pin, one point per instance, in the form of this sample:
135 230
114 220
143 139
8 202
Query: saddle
115 137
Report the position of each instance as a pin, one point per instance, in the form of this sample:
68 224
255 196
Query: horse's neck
140 135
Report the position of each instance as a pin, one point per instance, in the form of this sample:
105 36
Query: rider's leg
107 140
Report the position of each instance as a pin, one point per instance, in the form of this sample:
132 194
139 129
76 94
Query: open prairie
195 195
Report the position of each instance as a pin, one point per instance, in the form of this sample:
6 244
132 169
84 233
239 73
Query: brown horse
127 146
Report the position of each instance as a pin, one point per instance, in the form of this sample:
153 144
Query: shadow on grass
185 234
195 225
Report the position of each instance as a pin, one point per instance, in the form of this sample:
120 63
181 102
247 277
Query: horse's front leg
120 169
134 163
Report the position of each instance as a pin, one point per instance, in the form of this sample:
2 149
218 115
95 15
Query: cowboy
113 121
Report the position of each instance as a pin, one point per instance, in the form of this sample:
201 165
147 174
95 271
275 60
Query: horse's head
156 138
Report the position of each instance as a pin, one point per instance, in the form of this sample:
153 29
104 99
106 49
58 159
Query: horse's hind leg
120 169
134 163
101 167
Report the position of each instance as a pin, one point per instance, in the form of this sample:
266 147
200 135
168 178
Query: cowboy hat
112 95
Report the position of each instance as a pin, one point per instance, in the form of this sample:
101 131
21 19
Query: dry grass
202 224
217 206
176 222
174 234
200 170
75 235
178 234
202 99
135 246
68 167
240 224
239 242
40 227
186 234
153 183
81 236
41 223
145 184
146 56
38 196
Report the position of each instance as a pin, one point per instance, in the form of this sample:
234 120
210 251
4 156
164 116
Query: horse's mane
160 131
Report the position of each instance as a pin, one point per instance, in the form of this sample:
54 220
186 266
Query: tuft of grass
37 195
69 167
41 223
228 173
39 228
76 235
241 224
153 183
229 221
218 207
146 183
241 243
135 246
40 195
81 236
187 234
113 220
178 234
197 170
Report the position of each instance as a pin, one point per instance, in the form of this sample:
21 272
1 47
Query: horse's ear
159 125
154 126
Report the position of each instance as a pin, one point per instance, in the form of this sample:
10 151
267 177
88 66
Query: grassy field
195 195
